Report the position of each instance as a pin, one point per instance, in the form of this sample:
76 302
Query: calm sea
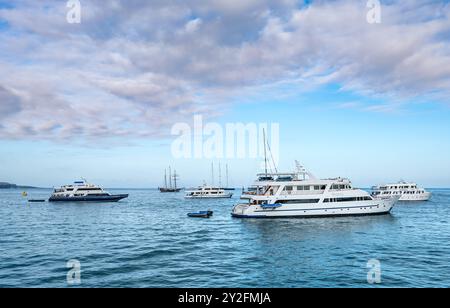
148 241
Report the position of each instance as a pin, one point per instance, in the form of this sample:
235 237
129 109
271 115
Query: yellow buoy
24 194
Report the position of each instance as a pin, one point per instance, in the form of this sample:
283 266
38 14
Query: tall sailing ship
168 188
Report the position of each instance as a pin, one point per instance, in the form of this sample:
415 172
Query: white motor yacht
81 191
300 194
406 191
206 191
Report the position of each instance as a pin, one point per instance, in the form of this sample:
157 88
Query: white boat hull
372 207
210 196
417 197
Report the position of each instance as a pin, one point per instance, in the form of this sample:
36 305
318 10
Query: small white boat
406 191
206 191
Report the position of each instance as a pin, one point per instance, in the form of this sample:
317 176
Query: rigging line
271 155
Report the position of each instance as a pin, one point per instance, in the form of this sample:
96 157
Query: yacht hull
378 207
111 198
420 197
209 197
169 190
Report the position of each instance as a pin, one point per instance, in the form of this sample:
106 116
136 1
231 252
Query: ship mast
220 176
170 177
265 153
165 178
212 173
226 171
175 178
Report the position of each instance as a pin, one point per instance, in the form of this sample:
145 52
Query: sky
99 99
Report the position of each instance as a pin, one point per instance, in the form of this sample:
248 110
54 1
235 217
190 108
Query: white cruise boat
82 191
406 191
300 194
206 191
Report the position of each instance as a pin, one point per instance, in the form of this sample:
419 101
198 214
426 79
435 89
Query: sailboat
227 187
169 188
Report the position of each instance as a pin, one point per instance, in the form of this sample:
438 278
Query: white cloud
193 25
132 68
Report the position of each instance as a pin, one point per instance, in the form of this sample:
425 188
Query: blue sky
98 99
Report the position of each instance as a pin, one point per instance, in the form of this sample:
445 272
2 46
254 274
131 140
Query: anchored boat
169 188
83 192
406 191
201 214
208 192
300 194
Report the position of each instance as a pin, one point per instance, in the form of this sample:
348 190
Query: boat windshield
284 179
265 178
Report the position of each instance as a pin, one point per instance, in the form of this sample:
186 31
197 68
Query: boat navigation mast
302 171
267 147
265 152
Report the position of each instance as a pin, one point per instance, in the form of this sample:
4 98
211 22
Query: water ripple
148 241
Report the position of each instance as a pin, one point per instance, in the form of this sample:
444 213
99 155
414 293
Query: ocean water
148 241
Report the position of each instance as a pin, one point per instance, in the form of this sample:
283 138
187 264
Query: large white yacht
206 191
300 194
406 191
81 191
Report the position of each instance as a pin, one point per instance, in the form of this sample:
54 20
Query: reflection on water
148 241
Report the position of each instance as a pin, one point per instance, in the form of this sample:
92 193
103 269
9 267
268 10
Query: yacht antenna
302 170
265 153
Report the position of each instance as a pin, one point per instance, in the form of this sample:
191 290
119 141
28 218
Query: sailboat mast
165 178
220 176
226 171
265 152
175 178
212 174
170 177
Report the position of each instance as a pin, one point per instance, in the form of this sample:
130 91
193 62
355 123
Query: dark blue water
147 241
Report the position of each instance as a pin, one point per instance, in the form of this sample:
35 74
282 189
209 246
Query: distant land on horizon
6 185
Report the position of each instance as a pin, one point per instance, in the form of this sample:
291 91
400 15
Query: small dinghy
201 214
36 200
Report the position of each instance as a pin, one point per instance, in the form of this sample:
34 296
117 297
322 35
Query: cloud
10 103
133 68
